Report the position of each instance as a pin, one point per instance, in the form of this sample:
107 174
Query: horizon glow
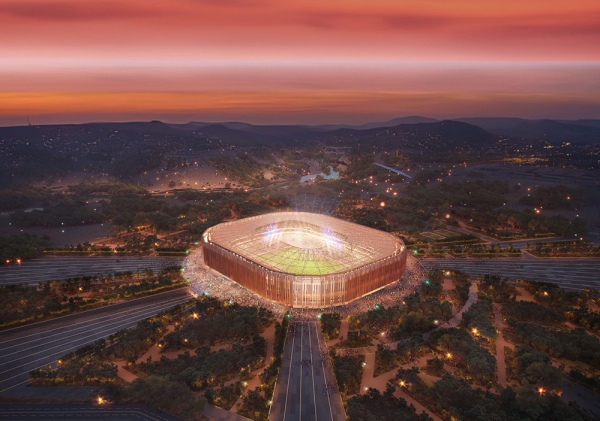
280 62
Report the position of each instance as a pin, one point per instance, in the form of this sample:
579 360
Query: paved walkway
124 373
368 373
380 382
524 295
154 350
457 318
269 335
345 326
500 344
399 393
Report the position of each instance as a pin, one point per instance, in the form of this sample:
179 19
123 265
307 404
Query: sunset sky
312 61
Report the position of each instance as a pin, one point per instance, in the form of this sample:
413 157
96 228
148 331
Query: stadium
304 260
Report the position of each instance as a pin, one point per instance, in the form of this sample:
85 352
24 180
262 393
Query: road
570 274
61 267
305 386
82 412
33 346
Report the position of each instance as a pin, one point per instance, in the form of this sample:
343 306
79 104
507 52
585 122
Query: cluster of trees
535 368
420 316
215 321
242 168
128 344
24 303
556 197
462 285
21 246
374 405
21 197
255 406
225 396
76 371
480 250
356 339
472 359
432 286
361 166
348 371
574 345
208 369
497 288
330 325
135 211
113 187
135 164
407 350
549 293
589 382
146 286
377 320
453 398
480 317
269 376
429 175
70 210
579 248
479 195
435 367
18 302
528 311
509 223
560 305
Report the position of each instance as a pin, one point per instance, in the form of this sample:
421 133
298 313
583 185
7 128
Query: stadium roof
302 243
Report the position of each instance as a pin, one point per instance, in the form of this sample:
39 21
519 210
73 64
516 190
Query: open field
298 261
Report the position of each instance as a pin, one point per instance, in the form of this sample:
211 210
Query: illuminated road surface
33 346
61 267
571 274
304 388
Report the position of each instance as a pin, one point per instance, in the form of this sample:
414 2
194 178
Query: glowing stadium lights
303 259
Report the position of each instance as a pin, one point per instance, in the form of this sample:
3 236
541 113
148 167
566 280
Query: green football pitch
299 261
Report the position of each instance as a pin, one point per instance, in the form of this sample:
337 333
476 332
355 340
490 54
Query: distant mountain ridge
575 131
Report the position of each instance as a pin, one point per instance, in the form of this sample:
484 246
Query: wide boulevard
36 345
569 273
49 268
305 388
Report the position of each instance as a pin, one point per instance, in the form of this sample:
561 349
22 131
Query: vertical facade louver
304 260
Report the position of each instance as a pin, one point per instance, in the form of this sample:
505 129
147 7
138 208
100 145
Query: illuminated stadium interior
304 259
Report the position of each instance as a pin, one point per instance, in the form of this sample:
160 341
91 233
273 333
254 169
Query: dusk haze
265 61
275 210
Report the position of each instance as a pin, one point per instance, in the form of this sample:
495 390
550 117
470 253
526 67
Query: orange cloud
462 52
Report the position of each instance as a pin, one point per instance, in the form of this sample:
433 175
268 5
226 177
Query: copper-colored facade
364 260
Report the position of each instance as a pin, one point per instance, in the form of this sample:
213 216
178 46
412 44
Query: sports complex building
304 259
